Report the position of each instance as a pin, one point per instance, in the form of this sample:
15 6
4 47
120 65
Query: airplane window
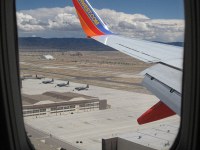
96 74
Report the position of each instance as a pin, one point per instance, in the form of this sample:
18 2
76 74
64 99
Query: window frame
12 125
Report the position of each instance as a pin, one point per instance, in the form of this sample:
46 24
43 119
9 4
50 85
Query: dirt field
106 69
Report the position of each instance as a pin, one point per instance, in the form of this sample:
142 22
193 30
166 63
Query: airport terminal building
56 103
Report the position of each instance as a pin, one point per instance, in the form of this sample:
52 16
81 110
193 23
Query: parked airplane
26 77
48 81
31 77
38 77
22 78
82 88
163 79
63 84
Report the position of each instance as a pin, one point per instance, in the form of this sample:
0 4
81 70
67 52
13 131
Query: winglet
157 112
91 23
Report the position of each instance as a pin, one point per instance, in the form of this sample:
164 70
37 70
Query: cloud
142 27
63 22
27 23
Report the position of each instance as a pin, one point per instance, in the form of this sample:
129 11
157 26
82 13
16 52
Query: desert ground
109 69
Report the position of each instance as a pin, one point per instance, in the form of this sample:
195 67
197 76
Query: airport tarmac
118 121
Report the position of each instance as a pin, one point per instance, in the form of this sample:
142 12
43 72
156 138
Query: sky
160 20
156 8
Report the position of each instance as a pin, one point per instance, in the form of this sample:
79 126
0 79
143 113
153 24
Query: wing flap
168 95
167 75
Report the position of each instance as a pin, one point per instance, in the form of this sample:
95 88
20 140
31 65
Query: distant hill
65 44
62 44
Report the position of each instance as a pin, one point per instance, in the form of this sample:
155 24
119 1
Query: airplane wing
163 79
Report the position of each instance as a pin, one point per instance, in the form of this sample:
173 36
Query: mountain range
65 44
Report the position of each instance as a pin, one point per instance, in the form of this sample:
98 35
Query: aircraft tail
68 83
91 23
87 86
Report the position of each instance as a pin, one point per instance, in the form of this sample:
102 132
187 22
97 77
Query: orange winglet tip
91 23
157 112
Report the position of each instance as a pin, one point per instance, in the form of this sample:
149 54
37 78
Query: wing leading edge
163 79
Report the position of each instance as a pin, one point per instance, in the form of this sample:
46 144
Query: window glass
76 91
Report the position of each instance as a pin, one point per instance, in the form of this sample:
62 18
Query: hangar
54 103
